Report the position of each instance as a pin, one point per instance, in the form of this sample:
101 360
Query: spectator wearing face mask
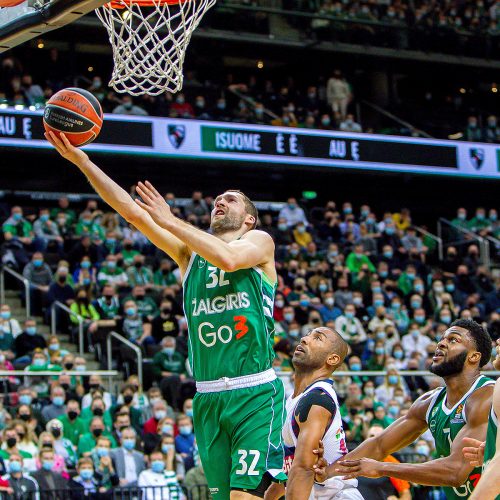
392 381
184 442
380 321
111 274
47 478
39 275
103 463
329 311
62 446
74 426
21 483
293 214
351 330
492 130
95 383
127 107
343 296
57 407
9 326
134 326
472 132
160 410
128 462
356 259
338 93
414 341
164 481
40 363
349 125
18 235
88 441
181 108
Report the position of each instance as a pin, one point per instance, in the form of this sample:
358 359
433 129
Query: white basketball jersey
333 440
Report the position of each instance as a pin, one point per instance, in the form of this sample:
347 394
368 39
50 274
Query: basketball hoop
149 39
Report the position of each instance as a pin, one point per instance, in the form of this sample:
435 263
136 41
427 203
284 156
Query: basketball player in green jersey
487 453
229 280
453 412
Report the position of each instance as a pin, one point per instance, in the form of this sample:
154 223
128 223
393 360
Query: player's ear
251 221
475 357
334 360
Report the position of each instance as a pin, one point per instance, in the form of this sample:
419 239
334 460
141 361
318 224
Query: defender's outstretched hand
365 467
66 149
474 451
154 203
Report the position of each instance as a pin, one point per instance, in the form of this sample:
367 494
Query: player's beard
452 366
230 222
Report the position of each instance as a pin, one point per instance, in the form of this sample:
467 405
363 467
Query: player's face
228 213
313 350
451 352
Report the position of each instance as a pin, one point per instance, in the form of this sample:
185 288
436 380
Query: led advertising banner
207 140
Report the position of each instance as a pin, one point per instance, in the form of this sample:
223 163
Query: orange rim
120 4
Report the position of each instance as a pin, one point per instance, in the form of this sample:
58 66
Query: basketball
76 113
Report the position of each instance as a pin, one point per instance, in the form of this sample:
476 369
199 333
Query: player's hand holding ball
66 149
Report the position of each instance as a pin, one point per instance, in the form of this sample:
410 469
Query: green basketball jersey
230 320
445 423
491 441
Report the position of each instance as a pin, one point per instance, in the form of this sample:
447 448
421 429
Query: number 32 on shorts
248 460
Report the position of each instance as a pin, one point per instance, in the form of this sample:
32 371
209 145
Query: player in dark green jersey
229 280
487 453
457 410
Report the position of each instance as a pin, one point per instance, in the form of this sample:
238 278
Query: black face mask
62 279
11 442
72 415
97 432
56 433
47 445
26 417
98 412
138 264
139 297
94 386
127 399
65 386
68 366
166 311
127 247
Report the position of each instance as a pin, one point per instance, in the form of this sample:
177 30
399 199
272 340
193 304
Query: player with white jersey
313 414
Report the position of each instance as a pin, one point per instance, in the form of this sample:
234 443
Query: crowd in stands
369 275
327 104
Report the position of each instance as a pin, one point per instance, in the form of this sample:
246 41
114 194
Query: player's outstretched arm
489 485
450 471
255 248
301 476
120 200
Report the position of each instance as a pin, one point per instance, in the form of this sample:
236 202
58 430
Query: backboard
33 18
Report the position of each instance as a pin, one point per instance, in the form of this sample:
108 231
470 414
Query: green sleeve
183 371
85 444
27 228
74 317
94 315
349 262
368 262
9 228
157 364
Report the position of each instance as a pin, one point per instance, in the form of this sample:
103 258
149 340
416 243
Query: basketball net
149 42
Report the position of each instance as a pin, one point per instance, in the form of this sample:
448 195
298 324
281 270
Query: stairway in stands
19 312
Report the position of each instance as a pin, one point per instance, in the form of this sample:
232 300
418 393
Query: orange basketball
10 3
76 113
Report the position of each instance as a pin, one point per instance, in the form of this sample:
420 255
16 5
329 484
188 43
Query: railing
470 236
129 344
437 239
403 373
18 277
53 322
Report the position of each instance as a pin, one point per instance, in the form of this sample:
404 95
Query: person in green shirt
406 279
164 275
16 227
128 252
111 244
97 409
170 365
11 440
108 304
63 208
146 306
356 259
138 274
74 425
82 308
88 441
87 227
111 274
380 417
479 222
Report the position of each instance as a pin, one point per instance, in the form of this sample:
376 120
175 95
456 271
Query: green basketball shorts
238 433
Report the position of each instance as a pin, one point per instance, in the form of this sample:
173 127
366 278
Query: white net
149 42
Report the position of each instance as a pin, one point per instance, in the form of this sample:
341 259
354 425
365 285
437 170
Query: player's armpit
161 238
301 476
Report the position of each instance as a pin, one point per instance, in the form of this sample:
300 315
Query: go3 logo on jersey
209 335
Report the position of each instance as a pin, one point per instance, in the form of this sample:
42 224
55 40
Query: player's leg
257 417
214 445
